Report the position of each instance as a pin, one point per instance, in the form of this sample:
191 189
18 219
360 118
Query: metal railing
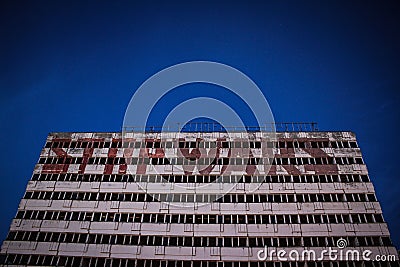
216 127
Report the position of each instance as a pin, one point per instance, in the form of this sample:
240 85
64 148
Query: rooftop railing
216 127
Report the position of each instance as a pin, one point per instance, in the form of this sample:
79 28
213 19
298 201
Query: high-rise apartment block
154 199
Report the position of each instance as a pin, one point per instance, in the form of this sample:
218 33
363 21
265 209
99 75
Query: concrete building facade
199 199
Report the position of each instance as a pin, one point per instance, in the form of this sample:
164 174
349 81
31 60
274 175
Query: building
85 206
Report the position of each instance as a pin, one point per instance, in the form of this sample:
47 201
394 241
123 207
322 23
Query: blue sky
74 65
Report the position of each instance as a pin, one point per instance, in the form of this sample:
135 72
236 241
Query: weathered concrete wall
87 201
